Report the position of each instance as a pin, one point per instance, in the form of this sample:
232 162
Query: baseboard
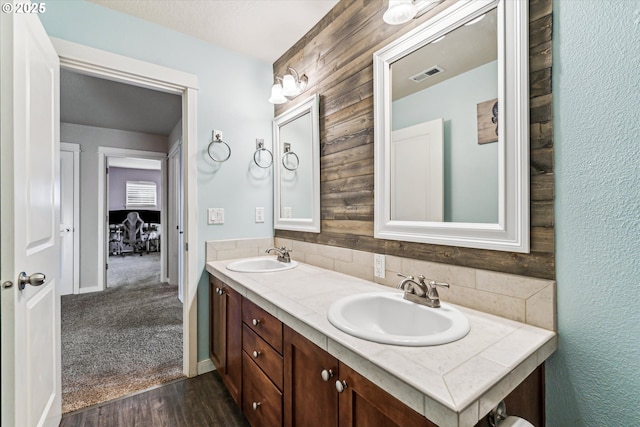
205 366
89 290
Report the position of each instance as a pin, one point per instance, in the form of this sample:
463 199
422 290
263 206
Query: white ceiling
264 29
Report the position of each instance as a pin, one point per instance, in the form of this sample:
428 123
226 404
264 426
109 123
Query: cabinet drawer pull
255 405
341 386
256 353
326 374
255 322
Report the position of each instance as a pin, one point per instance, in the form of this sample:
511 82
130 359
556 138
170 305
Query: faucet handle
433 283
405 276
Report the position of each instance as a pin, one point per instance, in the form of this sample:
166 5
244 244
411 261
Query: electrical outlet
378 266
259 214
287 212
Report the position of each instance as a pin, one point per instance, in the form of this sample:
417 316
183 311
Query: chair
132 234
115 239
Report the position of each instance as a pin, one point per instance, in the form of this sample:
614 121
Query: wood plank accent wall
337 56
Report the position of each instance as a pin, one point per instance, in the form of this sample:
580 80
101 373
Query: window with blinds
141 194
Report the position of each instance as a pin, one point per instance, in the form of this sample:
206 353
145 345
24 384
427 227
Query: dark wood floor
194 402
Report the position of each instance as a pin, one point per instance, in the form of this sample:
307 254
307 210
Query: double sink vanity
298 345
284 337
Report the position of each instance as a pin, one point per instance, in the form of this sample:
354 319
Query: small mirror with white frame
441 175
296 137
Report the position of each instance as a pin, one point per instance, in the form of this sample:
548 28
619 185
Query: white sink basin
260 265
387 318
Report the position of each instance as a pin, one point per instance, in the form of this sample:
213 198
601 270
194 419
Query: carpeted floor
122 340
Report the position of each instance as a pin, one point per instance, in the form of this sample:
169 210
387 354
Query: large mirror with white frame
451 101
296 139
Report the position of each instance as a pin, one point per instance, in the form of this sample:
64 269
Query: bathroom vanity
284 363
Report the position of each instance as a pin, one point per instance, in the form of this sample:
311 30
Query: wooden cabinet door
363 403
225 334
308 400
217 324
233 343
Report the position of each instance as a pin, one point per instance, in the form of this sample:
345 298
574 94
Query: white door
175 229
69 188
417 186
30 224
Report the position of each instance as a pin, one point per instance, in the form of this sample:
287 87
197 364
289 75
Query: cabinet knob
255 322
326 374
341 386
256 353
255 405
219 291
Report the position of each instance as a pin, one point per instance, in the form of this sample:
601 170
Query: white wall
90 138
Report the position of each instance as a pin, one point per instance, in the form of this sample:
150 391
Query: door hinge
107 168
186 246
106 266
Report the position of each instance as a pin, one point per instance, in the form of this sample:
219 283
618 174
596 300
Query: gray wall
90 138
118 178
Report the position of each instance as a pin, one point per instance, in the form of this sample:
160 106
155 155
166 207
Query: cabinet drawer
260 393
262 323
263 355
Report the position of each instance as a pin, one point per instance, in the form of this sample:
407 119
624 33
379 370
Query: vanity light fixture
403 11
293 84
276 93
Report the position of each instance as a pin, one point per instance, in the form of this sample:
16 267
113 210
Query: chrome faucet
421 292
283 253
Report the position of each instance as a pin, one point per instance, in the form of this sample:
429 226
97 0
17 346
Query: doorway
122 334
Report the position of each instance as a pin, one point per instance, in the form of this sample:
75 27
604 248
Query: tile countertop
453 384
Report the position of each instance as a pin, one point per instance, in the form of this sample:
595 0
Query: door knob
36 279
326 374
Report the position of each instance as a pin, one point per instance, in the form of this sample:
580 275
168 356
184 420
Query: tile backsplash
218 250
524 299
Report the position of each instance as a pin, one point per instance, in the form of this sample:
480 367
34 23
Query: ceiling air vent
429 72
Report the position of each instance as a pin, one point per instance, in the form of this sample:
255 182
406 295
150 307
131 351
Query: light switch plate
215 215
259 214
378 266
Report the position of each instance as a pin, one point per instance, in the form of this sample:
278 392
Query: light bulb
400 12
276 95
289 86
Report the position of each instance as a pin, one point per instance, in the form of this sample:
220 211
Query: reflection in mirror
441 170
296 184
451 113
297 168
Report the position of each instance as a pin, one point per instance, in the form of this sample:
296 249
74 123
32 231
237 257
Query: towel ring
288 152
216 138
259 149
